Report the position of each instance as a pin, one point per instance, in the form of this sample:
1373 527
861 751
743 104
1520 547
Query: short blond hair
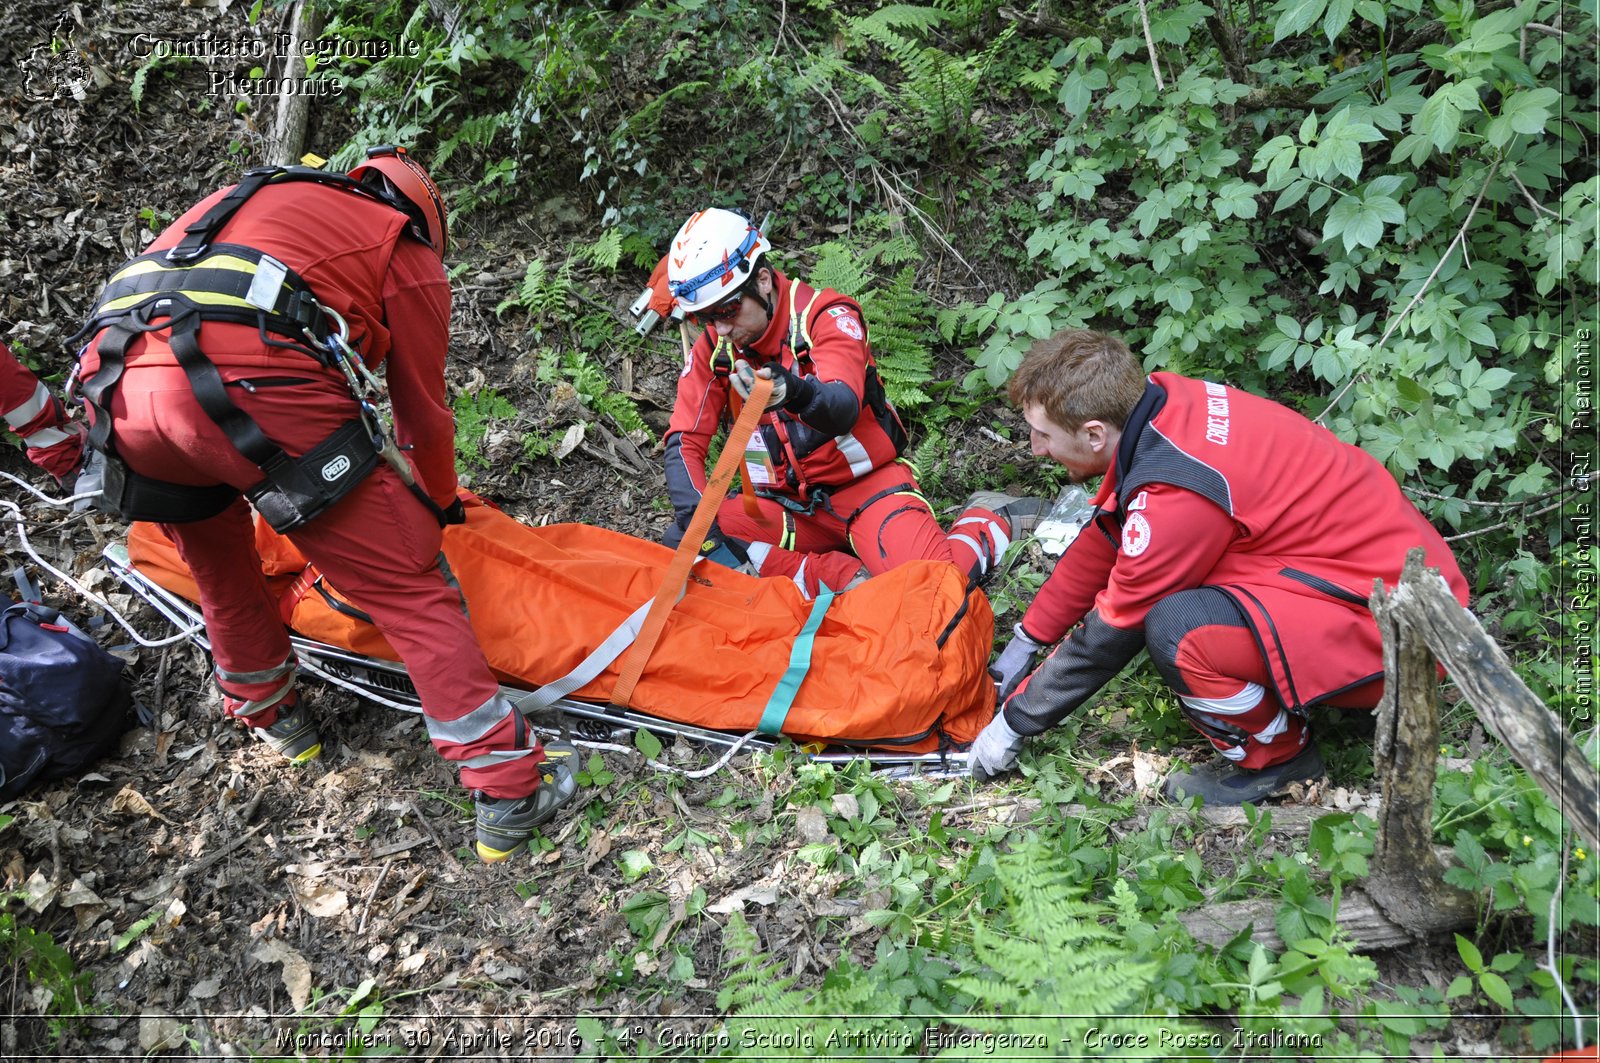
1079 376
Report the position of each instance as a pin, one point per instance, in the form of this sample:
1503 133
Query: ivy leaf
1328 363
1469 954
1075 94
1337 18
1178 293
1361 221
634 865
1496 989
1410 390
1340 145
1237 199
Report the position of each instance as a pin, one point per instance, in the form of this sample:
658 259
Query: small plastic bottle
1066 518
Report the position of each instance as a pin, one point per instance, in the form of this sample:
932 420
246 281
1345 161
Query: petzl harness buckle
297 490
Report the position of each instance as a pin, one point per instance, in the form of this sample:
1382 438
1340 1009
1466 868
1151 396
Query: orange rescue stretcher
894 669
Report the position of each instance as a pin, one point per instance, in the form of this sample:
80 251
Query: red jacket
391 290
1216 487
842 429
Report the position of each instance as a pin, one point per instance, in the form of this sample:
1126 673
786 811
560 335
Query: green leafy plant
57 990
475 412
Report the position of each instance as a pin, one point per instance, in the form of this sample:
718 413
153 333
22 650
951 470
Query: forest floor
218 901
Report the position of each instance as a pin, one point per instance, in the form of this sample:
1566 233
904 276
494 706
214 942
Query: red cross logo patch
1136 535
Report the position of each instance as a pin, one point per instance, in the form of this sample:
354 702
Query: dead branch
1534 736
294 108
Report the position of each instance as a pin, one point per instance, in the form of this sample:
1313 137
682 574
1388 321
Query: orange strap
677 575
751 509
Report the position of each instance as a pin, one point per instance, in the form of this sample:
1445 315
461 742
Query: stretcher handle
677 574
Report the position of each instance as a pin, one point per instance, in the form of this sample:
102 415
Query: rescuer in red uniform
51 440
1234 539
836 502
300 248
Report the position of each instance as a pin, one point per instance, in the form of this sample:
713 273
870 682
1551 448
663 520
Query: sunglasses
724 311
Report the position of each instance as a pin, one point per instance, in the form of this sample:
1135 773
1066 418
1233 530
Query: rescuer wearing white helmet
836 501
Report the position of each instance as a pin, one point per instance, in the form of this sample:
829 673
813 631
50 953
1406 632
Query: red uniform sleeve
696 413
839 349
1172 539
1079 576
416 309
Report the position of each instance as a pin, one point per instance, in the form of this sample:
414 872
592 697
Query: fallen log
1358 918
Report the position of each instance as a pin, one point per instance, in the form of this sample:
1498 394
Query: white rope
46 499
360 691
658 766
85 592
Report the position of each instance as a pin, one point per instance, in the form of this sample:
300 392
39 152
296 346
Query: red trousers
876 522
378 545
1201 645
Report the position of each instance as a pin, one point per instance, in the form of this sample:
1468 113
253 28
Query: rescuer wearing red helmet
220 382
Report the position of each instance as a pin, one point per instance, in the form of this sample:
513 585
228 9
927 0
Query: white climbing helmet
712 257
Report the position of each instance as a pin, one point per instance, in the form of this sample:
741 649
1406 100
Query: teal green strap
782 698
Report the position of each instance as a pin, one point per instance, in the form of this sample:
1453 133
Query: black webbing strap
96 390
198 236
240 428
960 614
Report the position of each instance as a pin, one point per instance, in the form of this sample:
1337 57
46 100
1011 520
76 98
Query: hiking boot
1021 514
506 823
294 734
1221 783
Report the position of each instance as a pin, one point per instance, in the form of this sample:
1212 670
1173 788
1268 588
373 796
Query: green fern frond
606 252
1054 970
750 978
474 413
840 268
769 1012
881 24
541 292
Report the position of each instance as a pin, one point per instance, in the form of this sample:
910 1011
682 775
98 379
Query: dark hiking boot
1221 783
506 823
1022 515
294 734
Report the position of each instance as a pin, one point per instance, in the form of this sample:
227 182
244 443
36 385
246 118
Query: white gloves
1014 662
995 750
743 381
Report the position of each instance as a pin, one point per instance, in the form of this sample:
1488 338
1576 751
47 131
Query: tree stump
1407 879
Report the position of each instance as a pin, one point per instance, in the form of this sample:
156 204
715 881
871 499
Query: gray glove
995 750
1014 662
744 381
91 479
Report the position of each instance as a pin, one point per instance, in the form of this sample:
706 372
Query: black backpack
64 702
